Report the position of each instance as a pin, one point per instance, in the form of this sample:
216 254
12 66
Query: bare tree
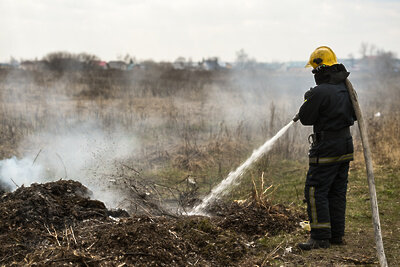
243 60
364 49
127 58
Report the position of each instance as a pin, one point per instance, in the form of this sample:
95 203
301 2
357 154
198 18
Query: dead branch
14 182
130 168
55 235
65 169
37 155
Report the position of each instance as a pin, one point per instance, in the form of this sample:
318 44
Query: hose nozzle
296 117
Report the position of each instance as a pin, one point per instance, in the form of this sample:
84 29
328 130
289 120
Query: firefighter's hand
296 117
308 94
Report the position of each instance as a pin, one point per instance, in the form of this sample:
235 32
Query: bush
62 61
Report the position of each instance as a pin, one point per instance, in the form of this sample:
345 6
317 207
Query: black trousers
325 193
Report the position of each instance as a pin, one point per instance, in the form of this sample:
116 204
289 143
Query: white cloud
164 30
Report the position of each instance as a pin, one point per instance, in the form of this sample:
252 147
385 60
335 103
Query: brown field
125 133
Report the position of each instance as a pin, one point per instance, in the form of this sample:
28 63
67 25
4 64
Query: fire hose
370 174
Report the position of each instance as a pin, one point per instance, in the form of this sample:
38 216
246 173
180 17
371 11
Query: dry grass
201 123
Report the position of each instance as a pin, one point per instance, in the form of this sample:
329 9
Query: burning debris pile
54 204
58 224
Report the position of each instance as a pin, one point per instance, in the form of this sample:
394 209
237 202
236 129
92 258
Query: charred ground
56 223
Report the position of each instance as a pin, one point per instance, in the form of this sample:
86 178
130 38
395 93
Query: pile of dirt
256 219
57 224
142 241
54 204
29 214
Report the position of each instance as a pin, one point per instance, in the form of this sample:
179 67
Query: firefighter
328 108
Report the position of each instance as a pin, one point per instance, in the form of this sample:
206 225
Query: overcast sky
267 30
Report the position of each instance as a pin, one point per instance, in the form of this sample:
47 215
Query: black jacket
328 107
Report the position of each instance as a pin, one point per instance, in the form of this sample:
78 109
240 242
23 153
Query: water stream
234 177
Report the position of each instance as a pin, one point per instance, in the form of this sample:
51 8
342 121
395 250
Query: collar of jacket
334 74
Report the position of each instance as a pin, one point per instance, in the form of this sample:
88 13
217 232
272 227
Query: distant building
99 64
179 65
210 64
118 65
6 66
33 65
13 64
27 65
132 66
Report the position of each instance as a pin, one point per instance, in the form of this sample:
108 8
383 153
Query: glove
308 94
296 117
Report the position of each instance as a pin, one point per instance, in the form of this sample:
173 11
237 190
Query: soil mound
54 204
58 224
256 219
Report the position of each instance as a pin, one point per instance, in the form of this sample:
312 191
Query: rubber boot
337 241
314 244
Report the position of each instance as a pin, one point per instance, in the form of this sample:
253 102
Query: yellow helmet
323 55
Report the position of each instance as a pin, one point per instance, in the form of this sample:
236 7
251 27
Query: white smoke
16 172
67 137
85 153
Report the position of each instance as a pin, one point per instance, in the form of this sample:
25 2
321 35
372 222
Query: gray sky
267 30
